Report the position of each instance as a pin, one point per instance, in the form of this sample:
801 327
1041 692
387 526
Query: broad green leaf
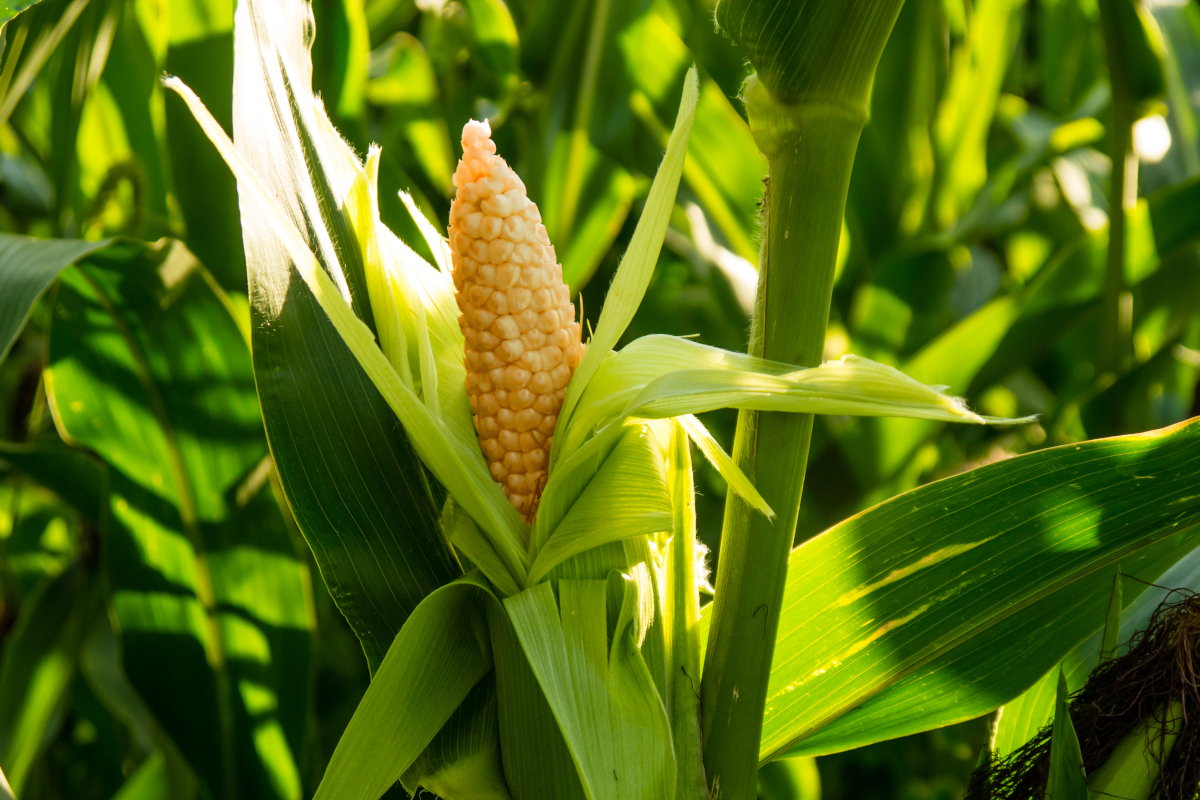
167 773
437 657
10 8
360 495
71 473
969 681
449 455
1112 622
603 697
496 38
902 601
1066 780
147 368
27 267
40 655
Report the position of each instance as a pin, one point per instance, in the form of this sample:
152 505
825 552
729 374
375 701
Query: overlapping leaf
888 616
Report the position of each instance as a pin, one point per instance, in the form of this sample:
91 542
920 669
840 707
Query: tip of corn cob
522 339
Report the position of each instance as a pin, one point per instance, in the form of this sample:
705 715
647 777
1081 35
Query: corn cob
522 339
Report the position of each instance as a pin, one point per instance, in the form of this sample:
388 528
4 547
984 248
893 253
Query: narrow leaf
1066 780
637 266
439 655
27 267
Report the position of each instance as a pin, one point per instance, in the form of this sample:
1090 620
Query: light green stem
810 150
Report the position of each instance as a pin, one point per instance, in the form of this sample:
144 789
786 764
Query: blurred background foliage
973 253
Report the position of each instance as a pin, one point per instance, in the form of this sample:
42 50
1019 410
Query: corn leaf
436 242
439 655
198 40
627 497
633 276
723 464
40 655
604 698
906 616
1066 780
366 505
27 267
470 541
148 369
463 760
448 458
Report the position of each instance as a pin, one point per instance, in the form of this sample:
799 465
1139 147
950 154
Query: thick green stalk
810 149
807 105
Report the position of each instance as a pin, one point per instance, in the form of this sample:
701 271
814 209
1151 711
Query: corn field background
975 252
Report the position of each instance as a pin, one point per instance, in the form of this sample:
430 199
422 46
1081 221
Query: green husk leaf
437 243
439 655
459 467
681 613
604 699
627 497
465 535
723 464
637 266
1066 780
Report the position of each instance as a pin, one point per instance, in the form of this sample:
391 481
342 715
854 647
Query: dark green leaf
362 498
39 664
148 368
27 267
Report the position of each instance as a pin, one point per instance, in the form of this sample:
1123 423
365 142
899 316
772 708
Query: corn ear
522 339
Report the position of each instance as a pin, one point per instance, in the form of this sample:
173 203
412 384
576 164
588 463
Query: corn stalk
807 106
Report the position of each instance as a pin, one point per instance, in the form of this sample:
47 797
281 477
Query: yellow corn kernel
522 339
